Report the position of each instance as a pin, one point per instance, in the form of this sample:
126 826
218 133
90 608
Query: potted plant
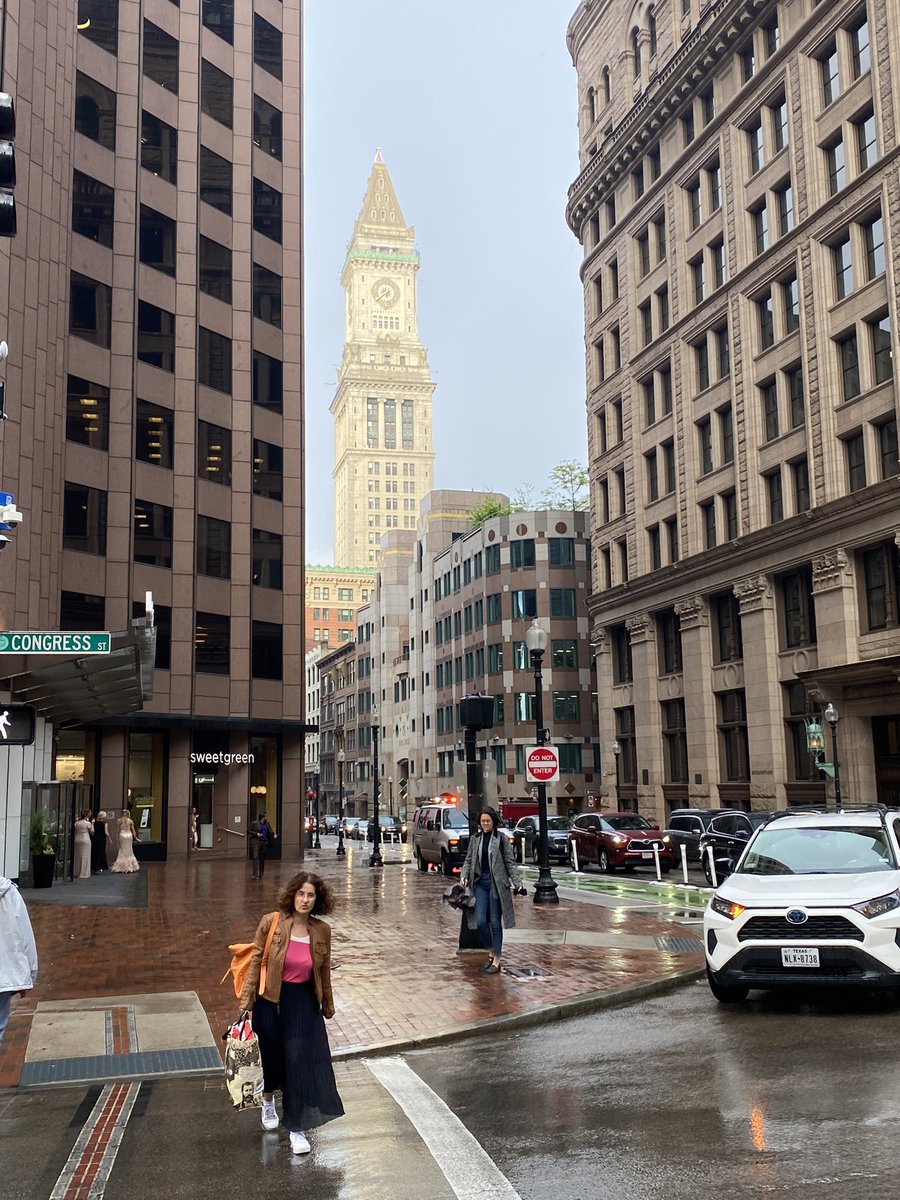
43 854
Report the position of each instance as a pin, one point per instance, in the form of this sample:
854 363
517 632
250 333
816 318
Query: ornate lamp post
340 846
375 859
536 639
391 793
832 716
617 752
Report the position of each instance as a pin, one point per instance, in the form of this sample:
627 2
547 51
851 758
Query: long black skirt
296 1057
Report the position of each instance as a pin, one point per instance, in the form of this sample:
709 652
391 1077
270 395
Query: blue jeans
5 1005
488 916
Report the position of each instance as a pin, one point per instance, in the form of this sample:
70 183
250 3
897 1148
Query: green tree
487 509
568 488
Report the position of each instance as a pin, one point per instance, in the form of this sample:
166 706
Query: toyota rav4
814 898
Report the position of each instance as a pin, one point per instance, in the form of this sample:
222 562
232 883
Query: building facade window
152 533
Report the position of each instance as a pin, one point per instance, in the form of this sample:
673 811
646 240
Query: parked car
619 839
392 829
727 834
685 828
351 826
813 899
362 829
526 830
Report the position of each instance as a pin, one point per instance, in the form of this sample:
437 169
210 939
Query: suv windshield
557 822
835 850
626 822
454 819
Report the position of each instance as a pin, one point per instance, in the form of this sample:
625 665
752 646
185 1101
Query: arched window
651 28
592 105
636 52
607 93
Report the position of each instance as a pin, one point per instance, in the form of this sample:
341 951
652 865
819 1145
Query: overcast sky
474 107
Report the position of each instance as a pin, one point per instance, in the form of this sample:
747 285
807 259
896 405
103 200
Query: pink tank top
297 963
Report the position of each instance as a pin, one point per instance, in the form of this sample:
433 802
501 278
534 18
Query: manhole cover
527 972
676 945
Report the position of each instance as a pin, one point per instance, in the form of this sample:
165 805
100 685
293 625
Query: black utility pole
375 860
536 640
340 846
317 845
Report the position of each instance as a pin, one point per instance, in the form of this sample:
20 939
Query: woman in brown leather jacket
288 1013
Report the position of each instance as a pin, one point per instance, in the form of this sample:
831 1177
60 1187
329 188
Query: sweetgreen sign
54 642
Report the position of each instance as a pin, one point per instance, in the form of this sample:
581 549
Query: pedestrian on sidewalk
491 869
100 844
289 1015
126 863
18 953
261 837
84 827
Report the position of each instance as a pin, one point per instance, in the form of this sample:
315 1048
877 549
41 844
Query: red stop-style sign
542 764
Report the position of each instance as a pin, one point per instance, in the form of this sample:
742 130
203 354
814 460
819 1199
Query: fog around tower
475 108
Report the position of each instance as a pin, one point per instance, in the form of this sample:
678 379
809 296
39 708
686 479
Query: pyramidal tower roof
381 206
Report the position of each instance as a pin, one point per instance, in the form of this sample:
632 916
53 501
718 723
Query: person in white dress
125 861
84 827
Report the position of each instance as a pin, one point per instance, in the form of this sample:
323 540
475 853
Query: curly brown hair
324 895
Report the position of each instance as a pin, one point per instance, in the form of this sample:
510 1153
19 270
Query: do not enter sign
541 764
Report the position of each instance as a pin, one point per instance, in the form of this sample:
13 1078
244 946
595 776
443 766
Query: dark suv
728 833
685 828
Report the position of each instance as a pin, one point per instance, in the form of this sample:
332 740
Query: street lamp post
317 845
832 716
617 752
340 846
536 639
375 860
391 793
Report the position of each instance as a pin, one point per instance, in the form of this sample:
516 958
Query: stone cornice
720 28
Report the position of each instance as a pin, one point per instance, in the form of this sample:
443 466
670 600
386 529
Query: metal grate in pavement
529 971
119 1066
677 945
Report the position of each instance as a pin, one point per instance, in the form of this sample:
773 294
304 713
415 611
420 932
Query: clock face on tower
385 292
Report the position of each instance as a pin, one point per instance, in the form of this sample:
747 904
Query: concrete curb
587 1002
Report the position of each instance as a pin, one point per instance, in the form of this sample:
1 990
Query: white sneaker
269 1115
299 1144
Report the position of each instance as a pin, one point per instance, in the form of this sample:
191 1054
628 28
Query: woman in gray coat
490 869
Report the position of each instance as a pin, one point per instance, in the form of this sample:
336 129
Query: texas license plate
799 956
646 854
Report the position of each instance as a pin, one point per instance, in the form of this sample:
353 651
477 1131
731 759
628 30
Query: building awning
857 679
77 689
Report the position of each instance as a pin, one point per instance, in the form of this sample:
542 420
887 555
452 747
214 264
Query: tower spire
380 205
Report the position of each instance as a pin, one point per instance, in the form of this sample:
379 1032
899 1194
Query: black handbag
458 896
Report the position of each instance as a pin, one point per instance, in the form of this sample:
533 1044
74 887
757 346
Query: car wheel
603 861
421 863
665 868
446 869
535 852
724 994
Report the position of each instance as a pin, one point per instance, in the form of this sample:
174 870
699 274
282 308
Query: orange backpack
241 953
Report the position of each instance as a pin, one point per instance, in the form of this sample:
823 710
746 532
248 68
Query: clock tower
383 462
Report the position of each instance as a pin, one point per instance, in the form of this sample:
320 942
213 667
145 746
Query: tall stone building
384 461
739 209
152 303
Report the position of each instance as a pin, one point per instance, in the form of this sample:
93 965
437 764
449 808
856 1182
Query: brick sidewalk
399 976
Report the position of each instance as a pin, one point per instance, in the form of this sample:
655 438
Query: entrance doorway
203 802
886 744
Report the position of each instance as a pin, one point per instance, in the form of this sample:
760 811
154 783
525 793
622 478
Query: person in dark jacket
491 870
261 837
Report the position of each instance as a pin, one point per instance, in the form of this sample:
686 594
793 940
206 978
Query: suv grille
645 844
816 929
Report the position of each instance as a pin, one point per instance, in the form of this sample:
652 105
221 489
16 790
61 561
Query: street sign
16 725
54 642
541 764
6 498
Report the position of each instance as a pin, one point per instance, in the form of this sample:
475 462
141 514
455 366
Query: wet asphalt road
792 1095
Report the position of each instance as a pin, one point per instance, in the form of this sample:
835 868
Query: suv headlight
878 906
726 908
618 840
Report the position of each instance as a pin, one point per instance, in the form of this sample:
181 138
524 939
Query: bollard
656 862
684 873
522 850
575 866
712 866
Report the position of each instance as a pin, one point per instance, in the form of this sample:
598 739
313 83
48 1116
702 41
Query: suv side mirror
724 867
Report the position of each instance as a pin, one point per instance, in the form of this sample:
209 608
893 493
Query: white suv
814 898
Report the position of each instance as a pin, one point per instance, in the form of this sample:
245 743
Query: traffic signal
7 165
